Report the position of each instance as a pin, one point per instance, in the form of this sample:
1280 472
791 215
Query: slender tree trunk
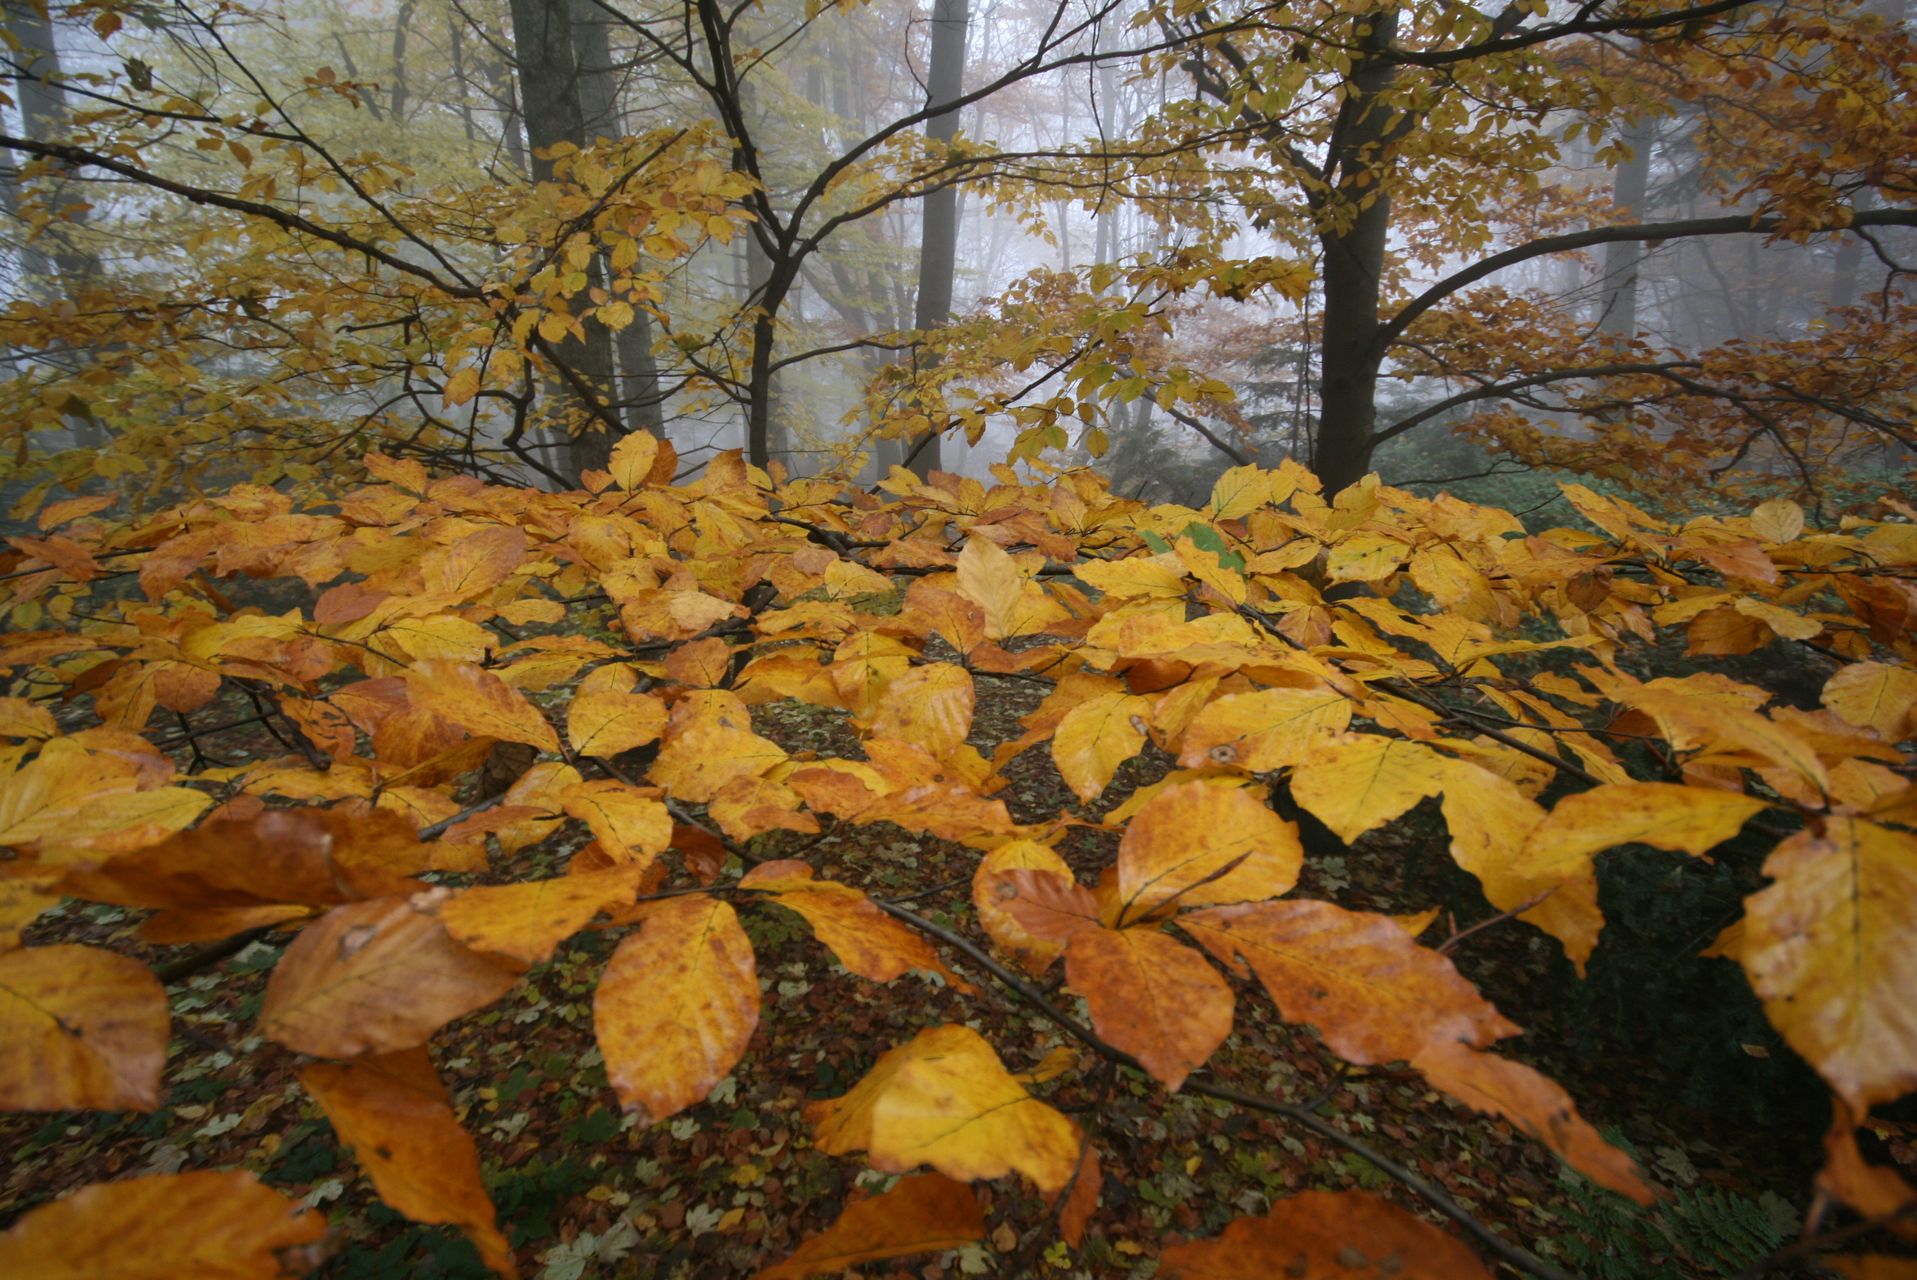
549 82
938 241
1618 319
600 117
1353 270
43 113
400 88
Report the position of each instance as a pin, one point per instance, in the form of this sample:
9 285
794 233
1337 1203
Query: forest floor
734 1184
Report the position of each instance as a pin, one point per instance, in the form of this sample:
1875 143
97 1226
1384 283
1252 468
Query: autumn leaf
1033 953
525 922
630 823
944 1099
1263 730
478 701
1326 1235
866 940
1150 996
1193 844
377 976
1874 695
1050 906
923 1213
676 1006
1013 605
219 1226
1536 1105
1097 736
393 1112
1359 781
1827 947
605 724
80 1028
930 705
1374 994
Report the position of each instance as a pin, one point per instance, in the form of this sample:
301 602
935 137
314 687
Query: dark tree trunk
938 241
1349 343
1622 258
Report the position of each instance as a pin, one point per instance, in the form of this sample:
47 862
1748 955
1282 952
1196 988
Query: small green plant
1701 1231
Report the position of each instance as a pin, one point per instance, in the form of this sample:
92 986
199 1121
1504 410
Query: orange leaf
925 1213
1537 1105
1263 730
1374 994
392 1111
1150 996
866 940
1194 844
478 701
210 1226
1326 1235
676 1006
1033 953
1050 907
372 977
80 1028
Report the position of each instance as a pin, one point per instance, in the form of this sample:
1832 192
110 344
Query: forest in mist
1167 639
1657 246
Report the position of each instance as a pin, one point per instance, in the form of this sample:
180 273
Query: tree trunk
1618 318
551 97
41 92
1354 266
938 240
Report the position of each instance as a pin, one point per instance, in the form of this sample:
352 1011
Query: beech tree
517 700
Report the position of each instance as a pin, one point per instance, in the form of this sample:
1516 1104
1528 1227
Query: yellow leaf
1240 491
1154 577
1358 781
1097 736
1365 557
930 705
462 386
633 459
606 724
1193 844
1265 729
1664 815
944 1099
1013 606
1831 949
676 1006
526 921
706 753
1779 520
631 824
1877 696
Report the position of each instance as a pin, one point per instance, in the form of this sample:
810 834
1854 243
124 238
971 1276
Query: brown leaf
1049 907
80 1027
478 701
393 1112
373 977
